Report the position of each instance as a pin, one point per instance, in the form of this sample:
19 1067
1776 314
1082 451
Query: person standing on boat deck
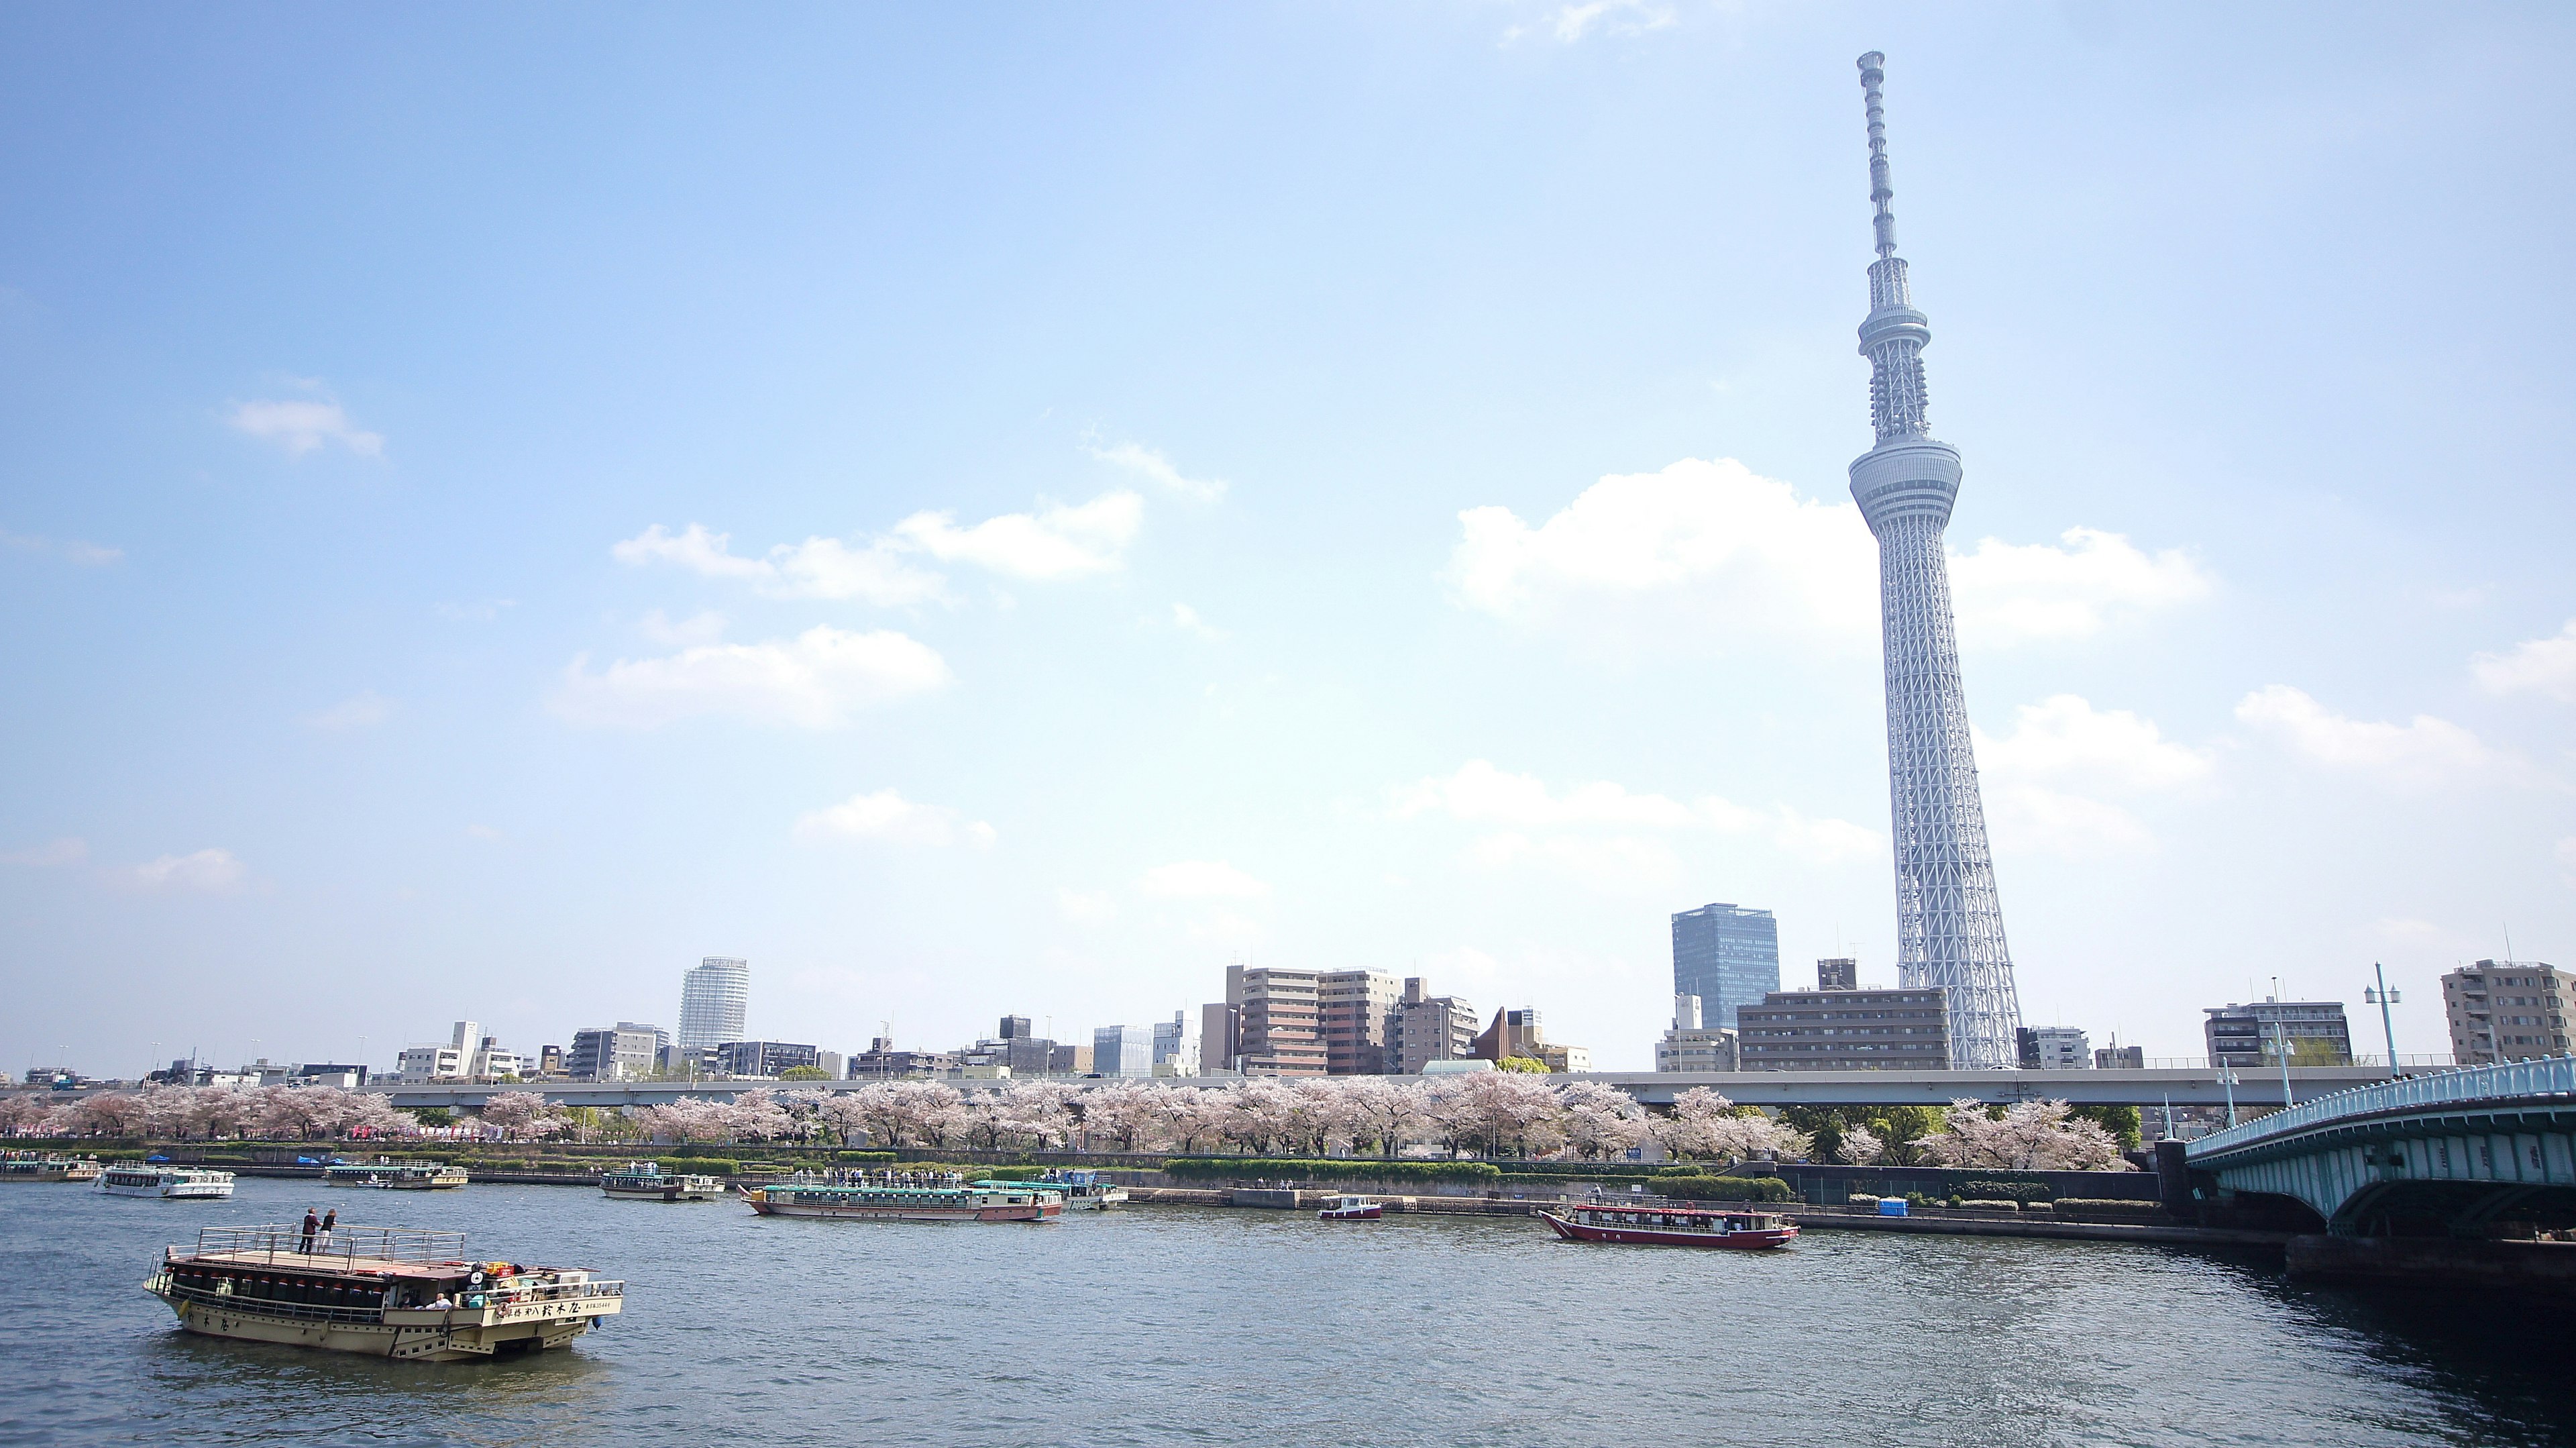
312 1224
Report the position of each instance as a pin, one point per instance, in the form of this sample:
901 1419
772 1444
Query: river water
1162 1325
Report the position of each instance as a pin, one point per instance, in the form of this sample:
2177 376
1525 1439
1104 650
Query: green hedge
1725 1188
1204 1168
2023 1193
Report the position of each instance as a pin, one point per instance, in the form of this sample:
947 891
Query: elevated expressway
2192 1086
2442 1154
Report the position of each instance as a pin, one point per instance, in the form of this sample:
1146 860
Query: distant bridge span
2449 1152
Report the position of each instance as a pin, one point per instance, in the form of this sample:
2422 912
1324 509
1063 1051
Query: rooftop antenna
1872 72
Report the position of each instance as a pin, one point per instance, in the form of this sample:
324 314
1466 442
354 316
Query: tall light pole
2382 997
2227 1083
2281 1048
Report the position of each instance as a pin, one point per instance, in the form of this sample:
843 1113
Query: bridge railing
2555 1076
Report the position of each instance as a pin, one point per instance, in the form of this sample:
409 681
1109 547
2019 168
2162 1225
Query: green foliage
1725 1188
1522 1064
2120 1121
433 1115
1217 1168
864 1158
804 1073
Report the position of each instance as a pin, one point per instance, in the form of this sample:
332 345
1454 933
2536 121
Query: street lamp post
2227 1083
2281 1048
2382 997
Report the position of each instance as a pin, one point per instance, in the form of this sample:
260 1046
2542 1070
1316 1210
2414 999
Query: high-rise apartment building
1279 1020
1429 1028
1846 1030
2253 1035
2507 1010
1358 1009
1728 956
715 1002
772 1058
2053 1048
1949 919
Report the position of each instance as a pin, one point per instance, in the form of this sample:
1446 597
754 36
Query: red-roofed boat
1635 1223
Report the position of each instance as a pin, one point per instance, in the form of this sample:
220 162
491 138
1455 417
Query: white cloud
64 851
2543 665
1086 907
1479 793
2424 751
359 711
1617 864
207 870
873 571
2006 593
301 425
1570 23
887 816
1062 541
1201 880
2064 739
814 681
1151 465
704 627
88 555
2043 778
1187 619
1713 553
1827 841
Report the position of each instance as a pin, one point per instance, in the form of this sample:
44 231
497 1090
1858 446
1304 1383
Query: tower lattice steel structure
1949 923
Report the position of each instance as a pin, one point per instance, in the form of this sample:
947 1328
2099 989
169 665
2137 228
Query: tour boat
33 1166
1352 1209
1670 1226
1083 1191
646 1181
388 1292
384 1171
860 1197
191 1183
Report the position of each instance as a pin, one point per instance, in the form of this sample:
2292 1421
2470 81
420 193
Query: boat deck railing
287 1239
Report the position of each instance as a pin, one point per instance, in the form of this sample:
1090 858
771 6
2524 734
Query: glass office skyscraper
1728 956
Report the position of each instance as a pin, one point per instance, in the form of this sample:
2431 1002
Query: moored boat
1638 1224
903 1197
45 1166
1352 1209
646 1181
174 1183
383 1291
384 1171
1085 1191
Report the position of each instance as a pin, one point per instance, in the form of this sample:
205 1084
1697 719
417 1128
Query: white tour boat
384 1171
646 1181
174 1183
1084 1191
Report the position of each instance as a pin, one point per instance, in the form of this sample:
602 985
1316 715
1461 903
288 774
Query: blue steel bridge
2447 1154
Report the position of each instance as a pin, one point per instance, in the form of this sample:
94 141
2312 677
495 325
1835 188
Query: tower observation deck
1949 922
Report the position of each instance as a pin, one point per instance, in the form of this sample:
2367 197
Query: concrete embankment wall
2437 1261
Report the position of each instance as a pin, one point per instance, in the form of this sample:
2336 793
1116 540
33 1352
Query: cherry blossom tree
2028 1136
1127 1115
1860 1146
524 1114
1384 1111
1600 1120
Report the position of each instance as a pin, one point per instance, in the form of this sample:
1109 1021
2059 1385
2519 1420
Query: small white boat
174 1183
646 1181
1352 1209
384 1171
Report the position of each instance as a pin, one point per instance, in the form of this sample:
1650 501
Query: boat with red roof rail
1638 1224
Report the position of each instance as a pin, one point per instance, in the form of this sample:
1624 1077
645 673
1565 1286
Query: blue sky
1008 514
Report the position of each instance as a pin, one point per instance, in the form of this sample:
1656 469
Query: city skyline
1098 497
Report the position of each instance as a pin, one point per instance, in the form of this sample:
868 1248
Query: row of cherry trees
1489 1114
190 1112
1486 1114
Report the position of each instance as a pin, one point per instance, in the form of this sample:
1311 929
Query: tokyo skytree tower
1949 924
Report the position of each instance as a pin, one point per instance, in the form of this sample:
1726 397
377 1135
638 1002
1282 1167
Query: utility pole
2383 997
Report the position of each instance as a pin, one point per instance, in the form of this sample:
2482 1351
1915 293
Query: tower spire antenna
1873 71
